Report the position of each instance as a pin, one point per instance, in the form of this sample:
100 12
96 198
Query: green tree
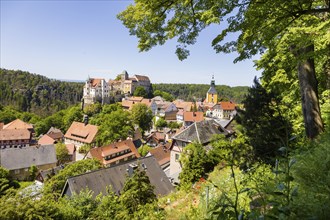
33 170
140 91
174 125
303 25
144 150
6 182
56 183
263 123
113 127
62 153
108 207
137 191
142 116
160 123
194 161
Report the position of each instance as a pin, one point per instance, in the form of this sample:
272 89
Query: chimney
85 119
131 168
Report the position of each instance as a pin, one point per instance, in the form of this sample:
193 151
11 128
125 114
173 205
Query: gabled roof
157 135
71 148
14 134
135 98
202 132
55 133
95 81
147 102
227 105
15 158
99 181
18 124
193 116
101 152
185 106
161 153
141 78
80 132
127 104
45 140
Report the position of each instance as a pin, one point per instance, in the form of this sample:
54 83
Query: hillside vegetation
35 93
195 92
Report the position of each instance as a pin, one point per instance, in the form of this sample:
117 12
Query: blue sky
76 39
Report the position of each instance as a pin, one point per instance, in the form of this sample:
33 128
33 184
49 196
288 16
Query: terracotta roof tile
71 148
45 140
227 105
15 134
80 132
141 78
101 152
161 153
18 124
193 116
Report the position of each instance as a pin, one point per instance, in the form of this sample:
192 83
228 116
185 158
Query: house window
177 156
16 171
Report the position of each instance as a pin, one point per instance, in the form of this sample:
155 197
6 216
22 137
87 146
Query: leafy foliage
37 94
142 116
55 184
137 191
193 92
161 123
144 150
140 91
263 123
62 153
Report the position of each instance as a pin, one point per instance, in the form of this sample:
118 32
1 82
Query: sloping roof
15 158
95 82
142 78
18 124
98 181
100 152
185 106
127 104
201 132
227 105
147 102
55 133
71 148
15 134
135 98
162 153
193 116
45 140
212 90
80 132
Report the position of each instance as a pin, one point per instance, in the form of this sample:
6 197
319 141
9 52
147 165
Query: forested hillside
35 93
191 92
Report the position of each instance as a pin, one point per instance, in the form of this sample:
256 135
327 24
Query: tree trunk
309 94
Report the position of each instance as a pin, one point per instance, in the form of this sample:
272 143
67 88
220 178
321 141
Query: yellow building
212 95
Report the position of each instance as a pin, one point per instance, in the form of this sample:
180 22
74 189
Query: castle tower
212 95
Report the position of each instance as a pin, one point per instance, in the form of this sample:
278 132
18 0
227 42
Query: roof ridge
199 140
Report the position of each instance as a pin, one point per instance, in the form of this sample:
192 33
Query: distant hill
35 93
191 92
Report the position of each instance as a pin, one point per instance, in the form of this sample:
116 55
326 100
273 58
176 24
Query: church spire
212 95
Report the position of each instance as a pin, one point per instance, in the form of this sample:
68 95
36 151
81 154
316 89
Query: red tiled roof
193 116
186 106
127 104
135 98
80 132
14 134
71 148
147 102
101 152
46 140
18 124
95 82
227 105
161 153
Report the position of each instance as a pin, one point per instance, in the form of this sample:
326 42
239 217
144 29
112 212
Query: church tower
212 95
